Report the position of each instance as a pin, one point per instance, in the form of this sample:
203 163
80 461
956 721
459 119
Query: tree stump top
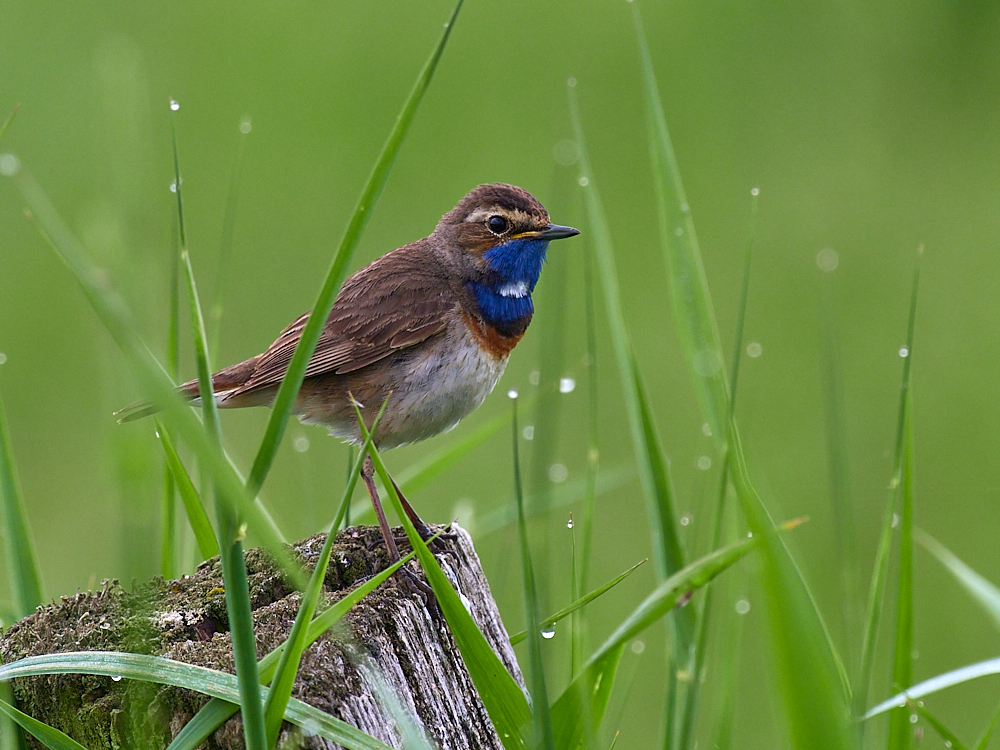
185 619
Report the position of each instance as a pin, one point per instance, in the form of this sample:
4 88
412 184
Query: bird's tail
222 382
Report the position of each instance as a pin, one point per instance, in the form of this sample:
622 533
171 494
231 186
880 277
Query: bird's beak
553 232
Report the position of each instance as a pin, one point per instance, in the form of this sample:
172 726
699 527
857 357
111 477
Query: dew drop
638 646
704 463
534 376
10 165
827 259
174 106
742 606
549 632
466 602
755 192
754 350
246 125
706 430
913 718
584 182
301 444
571 82
512 393
895 520
3 358
157 434
529 432
569 523
566 385
686 519
904 352
558 473
685 208
116 678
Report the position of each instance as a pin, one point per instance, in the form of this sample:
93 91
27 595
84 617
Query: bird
427 329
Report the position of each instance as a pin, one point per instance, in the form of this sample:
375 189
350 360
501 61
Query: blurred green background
869 129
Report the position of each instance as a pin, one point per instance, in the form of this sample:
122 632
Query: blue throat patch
519 264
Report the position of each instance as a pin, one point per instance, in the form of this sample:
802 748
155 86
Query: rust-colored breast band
489 339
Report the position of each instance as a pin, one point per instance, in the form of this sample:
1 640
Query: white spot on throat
516 289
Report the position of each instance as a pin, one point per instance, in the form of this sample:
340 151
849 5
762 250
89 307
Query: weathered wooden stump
186 620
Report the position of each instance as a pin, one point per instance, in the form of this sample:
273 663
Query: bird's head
504 231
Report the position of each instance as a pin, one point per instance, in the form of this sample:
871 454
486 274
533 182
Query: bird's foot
411 582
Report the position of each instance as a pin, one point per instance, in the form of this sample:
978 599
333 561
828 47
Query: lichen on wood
399 635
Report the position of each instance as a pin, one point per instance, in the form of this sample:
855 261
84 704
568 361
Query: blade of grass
176 415
502 697
880 570
8 121
900 734
984 741
581 602
284 402
214 713
51 737
10 731
983 591
951 740
936 684
208 546
580 708
718 510
542 721
202 680
234 572
284 678
653 470
810 673
23 574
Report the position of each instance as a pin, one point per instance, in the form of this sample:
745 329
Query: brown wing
399 300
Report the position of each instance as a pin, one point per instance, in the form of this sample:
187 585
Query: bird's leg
422 528
407 577
368 474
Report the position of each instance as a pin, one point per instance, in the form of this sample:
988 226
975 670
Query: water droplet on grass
706 430
245 125
827 259
914 718
558 473
511 393
704 463
174 106
571 82
10 165
569 523
904 352
755 191
638 646
584 182
301 444
116 678
3 358
686 519
754 350
529 432
742 606
566 385
549 632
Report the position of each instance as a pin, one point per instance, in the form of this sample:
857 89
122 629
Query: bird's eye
497 224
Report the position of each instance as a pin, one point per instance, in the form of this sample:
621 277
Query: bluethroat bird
428 326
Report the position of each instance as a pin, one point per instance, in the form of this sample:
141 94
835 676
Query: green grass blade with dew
987 735
541 719
950 738
202 680
900 731
234 572
581 602
809 669
284 402
579 710
653 469
502 697
880 570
